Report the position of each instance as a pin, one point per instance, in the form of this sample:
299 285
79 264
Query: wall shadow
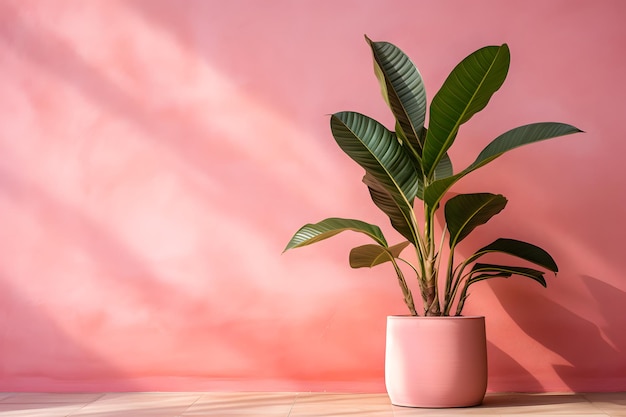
56 57
201 146
594 347
169 309
515 375
170 330
198 336
37 354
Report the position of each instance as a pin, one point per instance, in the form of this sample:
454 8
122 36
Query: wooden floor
295 404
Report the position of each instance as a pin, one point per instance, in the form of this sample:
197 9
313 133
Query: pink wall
155 157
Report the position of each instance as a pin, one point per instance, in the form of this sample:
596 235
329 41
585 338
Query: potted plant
435 357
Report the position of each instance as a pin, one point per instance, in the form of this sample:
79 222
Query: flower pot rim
409 317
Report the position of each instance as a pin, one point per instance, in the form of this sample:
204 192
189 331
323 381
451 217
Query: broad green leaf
466 91
465 212
398 214
417 160
311 233
379 152
367 256
523 250
402 88
413 150
444 168
521 136
512 139
503 271
436 190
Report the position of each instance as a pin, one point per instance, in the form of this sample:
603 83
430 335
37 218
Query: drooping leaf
484 271
523 250
311 233
402 88
397 213
466 91
512 139
367 256
465 212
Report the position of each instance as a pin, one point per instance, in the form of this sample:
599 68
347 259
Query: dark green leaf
512 139
465 212
485 269
519 249
402 88
466 91
380 153
444 168
520 136
398 214
417 160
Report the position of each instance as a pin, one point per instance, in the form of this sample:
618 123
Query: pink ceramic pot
436 361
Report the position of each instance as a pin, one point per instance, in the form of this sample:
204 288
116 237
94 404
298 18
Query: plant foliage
408 172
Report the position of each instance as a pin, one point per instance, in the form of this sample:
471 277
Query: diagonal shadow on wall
517 375
121 269
204 150
585 344
35 347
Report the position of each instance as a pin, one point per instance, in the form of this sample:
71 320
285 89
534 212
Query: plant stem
432 306
420 251
448 296
457 278
462 298
408 296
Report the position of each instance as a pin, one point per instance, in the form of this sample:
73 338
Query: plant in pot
435 357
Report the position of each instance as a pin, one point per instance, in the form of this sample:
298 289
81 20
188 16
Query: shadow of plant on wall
517 375
586 343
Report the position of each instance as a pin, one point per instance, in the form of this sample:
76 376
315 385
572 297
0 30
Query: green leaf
465 212
378 151
523 250
520 136
398 214
367 256
512 139
504 271
311 233
402 88
466 91
417 160
382 156
444 168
